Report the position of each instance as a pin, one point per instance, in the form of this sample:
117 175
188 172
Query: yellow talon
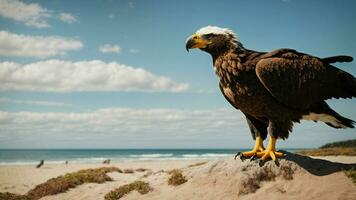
258 148
279 154
270 151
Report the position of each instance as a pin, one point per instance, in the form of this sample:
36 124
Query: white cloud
95 75
31 14
134 51
110 48
123 121
152 128
122 128
12 44
67 17
31 102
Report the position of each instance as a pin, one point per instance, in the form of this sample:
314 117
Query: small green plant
139 186
176 177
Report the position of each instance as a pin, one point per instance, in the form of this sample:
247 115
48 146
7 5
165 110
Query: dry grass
332 151
351 173
197 164
63 183
287 172
176 177
139 186
11 196
252 181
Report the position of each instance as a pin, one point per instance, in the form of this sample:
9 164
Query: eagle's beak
196 41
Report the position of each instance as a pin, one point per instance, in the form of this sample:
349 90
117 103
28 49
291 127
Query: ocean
59 156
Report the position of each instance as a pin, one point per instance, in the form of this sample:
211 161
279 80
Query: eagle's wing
299 80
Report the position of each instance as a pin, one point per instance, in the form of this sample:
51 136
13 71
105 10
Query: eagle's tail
322 112
336 120
334 59
341 122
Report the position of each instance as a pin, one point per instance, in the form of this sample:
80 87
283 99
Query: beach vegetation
11 196
254 177
351 173
70 180
176 177
139 186
331 151
346 143
345 148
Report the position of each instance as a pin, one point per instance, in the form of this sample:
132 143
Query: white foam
152 155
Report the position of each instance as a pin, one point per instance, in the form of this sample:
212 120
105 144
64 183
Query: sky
115 74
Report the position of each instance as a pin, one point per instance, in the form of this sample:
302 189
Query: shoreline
337 158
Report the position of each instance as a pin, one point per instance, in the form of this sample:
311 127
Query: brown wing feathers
299 80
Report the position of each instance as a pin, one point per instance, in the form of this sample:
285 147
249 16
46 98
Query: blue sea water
58 156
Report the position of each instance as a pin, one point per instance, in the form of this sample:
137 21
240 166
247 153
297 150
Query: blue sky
115 74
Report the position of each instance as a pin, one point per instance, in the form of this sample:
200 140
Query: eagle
275 89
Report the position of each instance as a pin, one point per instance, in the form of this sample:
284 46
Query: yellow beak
196 41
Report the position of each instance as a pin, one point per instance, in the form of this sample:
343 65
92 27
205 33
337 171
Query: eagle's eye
195 37
208 36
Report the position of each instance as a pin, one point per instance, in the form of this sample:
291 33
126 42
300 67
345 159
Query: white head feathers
218 31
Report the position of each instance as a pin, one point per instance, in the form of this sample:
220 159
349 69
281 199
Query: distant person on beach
107 161
40 164
66 162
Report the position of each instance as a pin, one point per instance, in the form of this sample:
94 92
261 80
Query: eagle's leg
270 151
257 148
258 130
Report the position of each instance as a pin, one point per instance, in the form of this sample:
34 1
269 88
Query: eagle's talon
270 151
254 157
242 157
237 154
252 154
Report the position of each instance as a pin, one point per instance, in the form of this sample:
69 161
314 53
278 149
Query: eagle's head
213 40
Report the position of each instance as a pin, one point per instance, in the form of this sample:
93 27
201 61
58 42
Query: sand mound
297 177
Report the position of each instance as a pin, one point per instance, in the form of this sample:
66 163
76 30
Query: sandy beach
297 177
